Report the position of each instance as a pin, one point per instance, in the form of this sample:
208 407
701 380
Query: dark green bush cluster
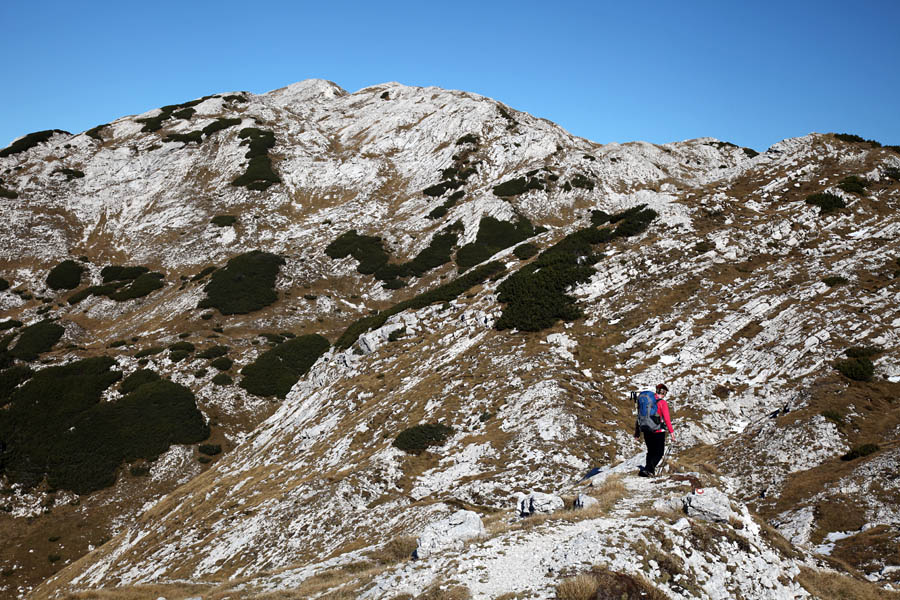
36 339
835 280
195 137
149 351
30 141
857 369
56 426
860 451
9 324
518 185
177 111
449 203
222 379
140 287
366 249
94 132
65 276
210 449
203 273
892 172
235 98
213 352
456 175
275 371
10 379
223 363
863 351
259 174
4 284
70 173
7 193
536 294
416 440
493 236
582 181
525 251
855 139
826 201
854 185
245 284
120 273
224 220
443 293
469 138
178 355
185 346
136 380
220 124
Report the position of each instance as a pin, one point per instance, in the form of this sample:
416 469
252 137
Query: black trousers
656 445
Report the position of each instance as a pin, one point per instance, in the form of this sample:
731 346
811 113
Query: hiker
650 408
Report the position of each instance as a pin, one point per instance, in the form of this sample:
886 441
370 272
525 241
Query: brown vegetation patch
828 584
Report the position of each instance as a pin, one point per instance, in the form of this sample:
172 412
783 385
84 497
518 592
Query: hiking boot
643 472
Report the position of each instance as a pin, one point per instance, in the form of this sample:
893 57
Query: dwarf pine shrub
857 369
78 442
826 201
210 449
29 141
195 137
9 324
220 124
259 174
70 174
275 371
223 363
222 379
493 236
835 280
7 193
582 181
213 352
137 379
36 339
120 273
203 273
892 172
184 346
366 249
245 284
4 284
11 378
854 185
140 287
94 132
149 351
525 251
416 440
224 220
863 351
860 451
852 138
65 276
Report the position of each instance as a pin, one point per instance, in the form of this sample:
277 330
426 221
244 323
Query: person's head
661 389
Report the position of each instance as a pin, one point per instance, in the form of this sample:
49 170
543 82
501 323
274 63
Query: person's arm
663 408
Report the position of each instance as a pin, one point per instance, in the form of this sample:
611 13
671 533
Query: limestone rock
449 533
711 505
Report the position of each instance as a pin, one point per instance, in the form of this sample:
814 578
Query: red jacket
662 408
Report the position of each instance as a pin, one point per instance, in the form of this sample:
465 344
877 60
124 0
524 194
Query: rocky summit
315 344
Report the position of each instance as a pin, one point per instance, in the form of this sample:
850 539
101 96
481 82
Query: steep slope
722 296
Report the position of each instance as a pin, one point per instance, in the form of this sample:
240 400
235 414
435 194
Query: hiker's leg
649 445
656 445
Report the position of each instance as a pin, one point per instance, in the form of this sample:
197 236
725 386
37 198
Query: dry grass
580 587
396 550
438 592
603 584
139 592
828 584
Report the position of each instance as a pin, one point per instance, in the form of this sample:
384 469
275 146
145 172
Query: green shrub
512 187
235 98
222 379
469 138
275 371
892 172
117 344
443 293
245 284
140 469
854 185
259 174
30 141
178 355
94 132
210 449
857 369
140 287
224 220
137 379
206 271
437 189
223 363
493 236
36 339
416 440
863 351
835 280
367 250
65 276
220 124
119 273
184 114
582 181
195 137
213 352
525 251
535 296
396 334
4 284
70 173
9 324
149 351
437 213
10 379
167 112
434 255
76 441
183 346
855 139
7 193
860 451
826 201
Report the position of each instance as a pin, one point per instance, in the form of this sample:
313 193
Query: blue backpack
648 416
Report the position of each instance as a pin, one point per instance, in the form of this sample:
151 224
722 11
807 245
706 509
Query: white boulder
537 502
585 501
710 505
449 533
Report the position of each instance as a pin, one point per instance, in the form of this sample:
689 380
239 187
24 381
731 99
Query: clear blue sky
660 71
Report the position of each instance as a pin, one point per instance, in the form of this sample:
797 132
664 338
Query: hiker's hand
673 438
637 436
